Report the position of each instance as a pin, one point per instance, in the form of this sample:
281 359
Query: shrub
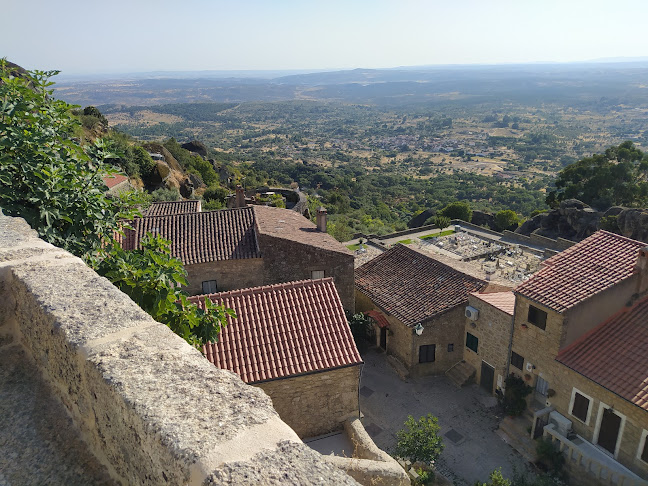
610 223
360 326
420 440
514 402
506 220
441 222
165 194
458 210
550 457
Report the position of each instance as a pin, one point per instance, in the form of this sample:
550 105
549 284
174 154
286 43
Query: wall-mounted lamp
418 329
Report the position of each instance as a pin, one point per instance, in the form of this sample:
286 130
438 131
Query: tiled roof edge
306 373
261 289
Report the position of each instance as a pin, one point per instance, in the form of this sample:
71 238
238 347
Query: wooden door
487 379
609 431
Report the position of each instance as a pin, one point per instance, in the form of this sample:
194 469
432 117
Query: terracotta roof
413 287
283 330
504 301
587 268
201 237
289 225
112 180
379 317
173 207
615 354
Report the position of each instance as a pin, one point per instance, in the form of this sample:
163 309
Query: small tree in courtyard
420 439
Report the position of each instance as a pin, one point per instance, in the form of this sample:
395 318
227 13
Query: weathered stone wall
149 407
286 260
565 379
317 403
493 328
229 274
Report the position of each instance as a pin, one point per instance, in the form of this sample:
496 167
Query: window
426 353
450 348
472 342
315 274
537 317
517 360
642 452
209 287
580 406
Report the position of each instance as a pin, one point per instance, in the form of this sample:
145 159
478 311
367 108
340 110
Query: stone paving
468 418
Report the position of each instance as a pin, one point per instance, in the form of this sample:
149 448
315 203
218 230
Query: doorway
383 338
487 379
609 430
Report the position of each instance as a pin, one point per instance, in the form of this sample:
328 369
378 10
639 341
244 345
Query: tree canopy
618 177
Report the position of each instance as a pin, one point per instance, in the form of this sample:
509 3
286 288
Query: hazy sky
81 36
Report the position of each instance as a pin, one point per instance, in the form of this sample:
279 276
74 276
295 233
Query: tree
495 479
506 220
619 177
458 210
441 222
360 325
420 440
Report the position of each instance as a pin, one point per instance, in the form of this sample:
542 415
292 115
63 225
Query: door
609 431
487 379
383 338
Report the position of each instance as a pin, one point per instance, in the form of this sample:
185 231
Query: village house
247 247
116 184
418 305
293 341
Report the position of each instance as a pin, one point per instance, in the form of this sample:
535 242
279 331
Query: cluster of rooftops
300 327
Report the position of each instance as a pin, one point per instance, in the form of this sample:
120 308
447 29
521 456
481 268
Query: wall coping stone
148 406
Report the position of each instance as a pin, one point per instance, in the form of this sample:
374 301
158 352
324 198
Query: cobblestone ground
467 416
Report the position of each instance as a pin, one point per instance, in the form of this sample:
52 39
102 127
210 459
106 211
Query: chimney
240 197
321 219
641 267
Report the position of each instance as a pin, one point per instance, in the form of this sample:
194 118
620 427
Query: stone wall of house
229 274
149 407
317 403
636 419
285 261
493 330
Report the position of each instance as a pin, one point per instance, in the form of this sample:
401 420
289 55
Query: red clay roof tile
165 208
504 301
587 268
615 354
414 287
112 180
379 317
282 330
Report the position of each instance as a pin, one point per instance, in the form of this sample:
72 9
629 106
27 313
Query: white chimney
321 219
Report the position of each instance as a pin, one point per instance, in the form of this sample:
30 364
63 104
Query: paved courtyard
467 416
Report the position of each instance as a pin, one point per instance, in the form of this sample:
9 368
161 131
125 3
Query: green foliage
45 177
165 194
506 220
514 402
152 278
616 178
610 223
360 326
551 457
142 160
425 477
441 222
420 440
495 479
458 210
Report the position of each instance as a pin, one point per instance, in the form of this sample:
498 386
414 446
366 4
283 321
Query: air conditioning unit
472 313
529 367
562 424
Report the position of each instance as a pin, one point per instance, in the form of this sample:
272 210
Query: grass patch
405 242
436 235
355 247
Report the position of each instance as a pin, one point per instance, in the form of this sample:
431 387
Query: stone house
570 344
293 341
418 305
489 325
116 184
247 247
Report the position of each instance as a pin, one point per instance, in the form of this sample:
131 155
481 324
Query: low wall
149 407
558 244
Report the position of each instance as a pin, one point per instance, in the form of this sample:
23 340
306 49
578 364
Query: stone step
461 373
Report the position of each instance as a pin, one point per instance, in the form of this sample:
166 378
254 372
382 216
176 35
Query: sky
123 36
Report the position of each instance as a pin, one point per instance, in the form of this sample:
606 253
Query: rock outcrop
196 147
573 220
633 223
482 218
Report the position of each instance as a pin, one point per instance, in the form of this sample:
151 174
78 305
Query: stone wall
317 403
229 274
493 328
149 407
286 260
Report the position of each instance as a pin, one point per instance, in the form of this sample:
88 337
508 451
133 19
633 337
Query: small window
580 408
472 342
451 348
315 274
426 353
643 448
209 287
537 317
517 360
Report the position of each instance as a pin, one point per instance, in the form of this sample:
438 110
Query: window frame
209 282
313 277
476 339
427 348
450 348
589 407
537 311
643 447
521 368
